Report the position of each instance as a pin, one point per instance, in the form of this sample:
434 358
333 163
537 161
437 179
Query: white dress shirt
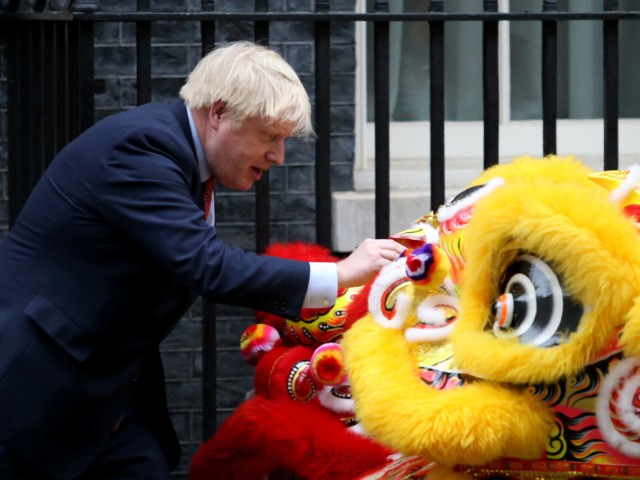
322 290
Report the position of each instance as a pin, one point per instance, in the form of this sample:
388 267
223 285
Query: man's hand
366 261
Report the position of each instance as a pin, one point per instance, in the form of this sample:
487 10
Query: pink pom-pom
257 340
327 364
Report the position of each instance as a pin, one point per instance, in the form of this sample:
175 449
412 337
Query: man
111 249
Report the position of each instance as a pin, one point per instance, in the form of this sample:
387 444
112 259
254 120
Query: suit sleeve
143 191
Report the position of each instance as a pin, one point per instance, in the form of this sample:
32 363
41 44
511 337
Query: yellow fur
548 208
549 169
631 334
471 425
568 222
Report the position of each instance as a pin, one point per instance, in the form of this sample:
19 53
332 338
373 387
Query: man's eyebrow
273 130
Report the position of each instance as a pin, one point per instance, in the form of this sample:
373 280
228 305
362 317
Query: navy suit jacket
102 262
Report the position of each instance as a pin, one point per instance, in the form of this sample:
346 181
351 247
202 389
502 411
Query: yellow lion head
515 351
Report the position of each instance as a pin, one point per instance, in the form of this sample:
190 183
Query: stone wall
175 50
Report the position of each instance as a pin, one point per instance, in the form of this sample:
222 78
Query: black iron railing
63 76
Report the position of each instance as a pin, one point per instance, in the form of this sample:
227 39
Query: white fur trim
431 234
415 335
448 211
609 432
357 429
388 276
428 307
403 304
335 404
429 314
626 410
627 185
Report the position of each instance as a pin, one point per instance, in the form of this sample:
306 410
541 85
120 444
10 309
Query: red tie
208 193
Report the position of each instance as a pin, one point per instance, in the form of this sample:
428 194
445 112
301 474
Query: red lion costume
300 421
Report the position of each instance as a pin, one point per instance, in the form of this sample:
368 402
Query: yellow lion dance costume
508 343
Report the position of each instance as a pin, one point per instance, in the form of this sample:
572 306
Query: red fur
359 306
270 319
264 436
272 372
272 433
307 252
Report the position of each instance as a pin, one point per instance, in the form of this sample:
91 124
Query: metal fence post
436 106
549 80
611 70
262 188
382 117
323 126
490 86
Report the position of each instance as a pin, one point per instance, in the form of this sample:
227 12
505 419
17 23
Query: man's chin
237 186
243 188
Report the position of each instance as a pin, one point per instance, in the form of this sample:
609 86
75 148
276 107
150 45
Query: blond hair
254 81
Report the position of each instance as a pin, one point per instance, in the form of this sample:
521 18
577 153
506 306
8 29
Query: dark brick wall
175 50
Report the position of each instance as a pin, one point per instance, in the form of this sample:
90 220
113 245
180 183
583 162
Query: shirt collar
205 174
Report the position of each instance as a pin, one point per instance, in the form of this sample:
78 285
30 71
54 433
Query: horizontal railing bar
307 16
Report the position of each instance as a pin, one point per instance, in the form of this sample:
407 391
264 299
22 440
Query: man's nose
276 154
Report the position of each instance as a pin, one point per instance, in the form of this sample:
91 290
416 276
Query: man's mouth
257 173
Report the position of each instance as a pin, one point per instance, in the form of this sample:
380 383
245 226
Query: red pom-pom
329 370
327 364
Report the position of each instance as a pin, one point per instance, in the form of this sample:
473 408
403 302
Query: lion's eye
534 305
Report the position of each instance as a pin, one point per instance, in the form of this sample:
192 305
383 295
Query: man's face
238 154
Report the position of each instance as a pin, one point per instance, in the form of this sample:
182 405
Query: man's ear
215 113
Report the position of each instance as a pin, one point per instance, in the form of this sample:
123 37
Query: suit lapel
179 109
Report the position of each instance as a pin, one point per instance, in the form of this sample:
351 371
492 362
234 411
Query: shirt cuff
322 290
